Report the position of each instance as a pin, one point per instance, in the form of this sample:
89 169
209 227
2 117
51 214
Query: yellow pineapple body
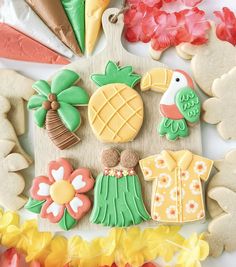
115 113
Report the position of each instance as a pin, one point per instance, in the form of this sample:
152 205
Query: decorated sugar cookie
177 185
60 196
179 105
116 110
56 107
117 196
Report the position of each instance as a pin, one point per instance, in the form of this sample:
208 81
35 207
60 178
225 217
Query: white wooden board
87 152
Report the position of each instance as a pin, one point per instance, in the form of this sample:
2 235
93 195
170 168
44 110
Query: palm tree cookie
56 107
117 194
115 110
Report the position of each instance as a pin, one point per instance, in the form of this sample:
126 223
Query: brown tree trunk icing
58 133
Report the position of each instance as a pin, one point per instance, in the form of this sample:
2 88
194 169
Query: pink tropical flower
226 29
63 189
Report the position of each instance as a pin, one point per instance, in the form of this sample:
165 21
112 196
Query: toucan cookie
221 108
177 195
209 60
179 105
60 196
56 109
116 110
117 196
12 182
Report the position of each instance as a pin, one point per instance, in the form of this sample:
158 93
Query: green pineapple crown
116 74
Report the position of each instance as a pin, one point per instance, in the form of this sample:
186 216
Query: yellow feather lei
131 245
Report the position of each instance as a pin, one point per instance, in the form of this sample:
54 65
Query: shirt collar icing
172 162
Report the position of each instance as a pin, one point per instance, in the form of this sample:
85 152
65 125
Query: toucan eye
177 79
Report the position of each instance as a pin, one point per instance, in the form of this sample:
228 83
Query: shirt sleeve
149 167
203 167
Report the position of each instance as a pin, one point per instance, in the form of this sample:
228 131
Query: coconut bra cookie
116 110
56 107
60 196
117 194
179 105
177 189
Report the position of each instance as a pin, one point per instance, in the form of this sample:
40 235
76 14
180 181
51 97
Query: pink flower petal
52 211
191 3
226 29
82 180
78 206
60 169
40 188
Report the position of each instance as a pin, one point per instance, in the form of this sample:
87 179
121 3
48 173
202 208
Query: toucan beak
157 80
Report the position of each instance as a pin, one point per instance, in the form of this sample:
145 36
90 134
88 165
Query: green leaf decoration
69 115
74 95
36 101
116 74
40 117
42 87
63 80
188 104
34 205
67 221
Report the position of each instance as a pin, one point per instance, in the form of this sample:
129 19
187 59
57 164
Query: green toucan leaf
67 221
116 74
42 87
40 117
74 95
188 104
34 205
69 115
36 101
63 80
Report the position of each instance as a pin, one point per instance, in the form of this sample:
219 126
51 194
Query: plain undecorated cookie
221 108
11 182
222 229
17 88
225 177
209 61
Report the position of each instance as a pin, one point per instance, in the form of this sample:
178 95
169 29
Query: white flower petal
54 209
75 203
58 174
44 190
78 182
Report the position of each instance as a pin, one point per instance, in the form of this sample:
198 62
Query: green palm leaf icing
55 107
116 74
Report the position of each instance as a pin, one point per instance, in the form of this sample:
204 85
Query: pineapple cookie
115 110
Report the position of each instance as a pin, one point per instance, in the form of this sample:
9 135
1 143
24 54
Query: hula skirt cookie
60 196
177 185
179 105
116 110
117 196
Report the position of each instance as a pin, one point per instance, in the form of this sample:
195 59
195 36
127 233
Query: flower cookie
179 105
177 187
116 110
60 196
117 196
56 107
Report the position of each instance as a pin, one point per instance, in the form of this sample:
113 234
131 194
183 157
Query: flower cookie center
51 103
62 192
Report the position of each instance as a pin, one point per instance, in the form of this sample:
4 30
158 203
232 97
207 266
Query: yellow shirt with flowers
177 176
